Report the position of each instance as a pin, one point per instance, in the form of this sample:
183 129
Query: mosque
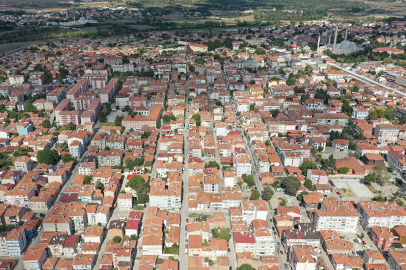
346 47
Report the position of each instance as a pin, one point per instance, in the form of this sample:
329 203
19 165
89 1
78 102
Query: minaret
318 44
335 39
329 39
346 32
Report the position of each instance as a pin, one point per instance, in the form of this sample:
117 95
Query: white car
365 247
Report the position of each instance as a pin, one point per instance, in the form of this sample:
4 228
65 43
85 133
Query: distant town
270 148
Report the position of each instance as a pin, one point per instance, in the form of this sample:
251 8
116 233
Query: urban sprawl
268 148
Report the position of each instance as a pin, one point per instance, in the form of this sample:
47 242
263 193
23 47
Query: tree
332 161
46 123
142 198
116 239
291 184
221 233
102 117
402 119
218 103
48 156
300 196
274 113
68 158
267 193
167 118
198 119
20 223
330 82
381 173
343 170
88 179
370 178
391 168
249 180
100 185
309 185
255 196
117 121
133 237
213 164
306 166
362 236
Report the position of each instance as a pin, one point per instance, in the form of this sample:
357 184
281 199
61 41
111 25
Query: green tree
68 158
133 237
343 170
391 168
116 239
221 233
102 117
142 198
309 185
117 121
306 166
48 156
267 193
197 118
291 184
218 103
274 113
255 196
370 178
212 164
46 123
100 185
88 179
300 196
249 180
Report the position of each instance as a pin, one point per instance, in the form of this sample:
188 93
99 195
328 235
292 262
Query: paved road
255 169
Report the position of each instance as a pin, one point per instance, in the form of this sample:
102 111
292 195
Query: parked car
365 247
281 251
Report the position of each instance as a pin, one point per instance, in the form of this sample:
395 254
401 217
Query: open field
13 47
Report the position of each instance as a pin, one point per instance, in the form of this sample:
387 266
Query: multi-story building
56 244
244 242
66 117
16 242
360 113
254 210
381 214
3 244
386 133
303 258
23 163
243 165
340 216
396 259
34 258
340 119
165 198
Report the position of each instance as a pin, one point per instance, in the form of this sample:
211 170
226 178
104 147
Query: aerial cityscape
199 135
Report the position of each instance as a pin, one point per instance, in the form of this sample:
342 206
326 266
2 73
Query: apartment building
243 165
245 242
340 119
165 197
381 214
16 242
254 210
23 163
336 215
303 258
386 133
66 117
360 113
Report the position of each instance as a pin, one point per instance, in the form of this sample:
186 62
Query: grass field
13 47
